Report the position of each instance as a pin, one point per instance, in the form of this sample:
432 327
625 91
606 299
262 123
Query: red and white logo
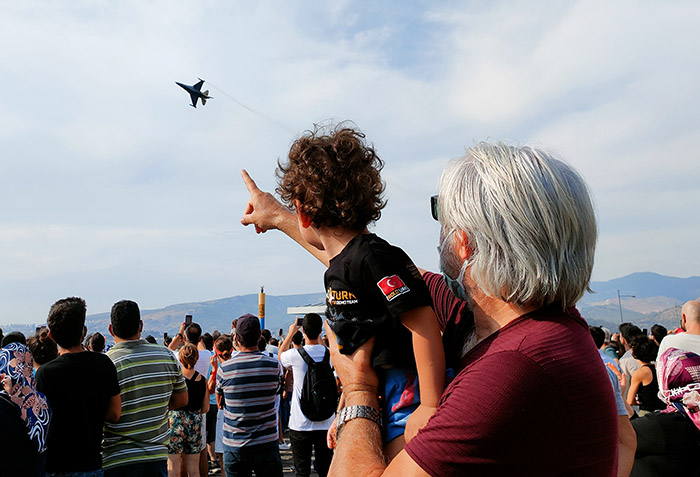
392 287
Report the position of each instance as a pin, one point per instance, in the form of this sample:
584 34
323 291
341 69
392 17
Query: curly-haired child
332 181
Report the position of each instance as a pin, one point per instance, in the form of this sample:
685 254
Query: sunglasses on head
434 207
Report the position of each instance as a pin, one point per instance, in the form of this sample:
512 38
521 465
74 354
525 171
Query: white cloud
112 186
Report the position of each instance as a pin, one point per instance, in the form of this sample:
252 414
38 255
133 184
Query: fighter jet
196 92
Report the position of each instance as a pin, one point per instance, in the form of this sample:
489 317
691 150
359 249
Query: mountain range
646 298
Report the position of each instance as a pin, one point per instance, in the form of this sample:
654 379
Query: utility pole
619 302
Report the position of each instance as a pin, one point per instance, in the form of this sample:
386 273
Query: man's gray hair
529 221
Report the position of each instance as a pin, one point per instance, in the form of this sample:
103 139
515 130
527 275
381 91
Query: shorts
402 397
185 432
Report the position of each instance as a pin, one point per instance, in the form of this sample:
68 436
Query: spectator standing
598 335
517 247
689 340
151 383
42 347
644 386
248 382
151 339
186 422
628 364
96 343
83 391
14 337
223 347
627 438
269 347
668 442
288 392
306 435
607 346
658 333
24 415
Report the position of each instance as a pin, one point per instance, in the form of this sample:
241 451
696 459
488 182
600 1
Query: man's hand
354 371
262 210
332 434
293 328
417 420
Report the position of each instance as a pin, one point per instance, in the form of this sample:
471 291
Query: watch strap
354 412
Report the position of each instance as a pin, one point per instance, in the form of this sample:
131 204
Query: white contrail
262 115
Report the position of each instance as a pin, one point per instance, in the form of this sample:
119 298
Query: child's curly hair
335 176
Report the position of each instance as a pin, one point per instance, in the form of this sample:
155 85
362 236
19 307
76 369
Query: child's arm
430 363
266 213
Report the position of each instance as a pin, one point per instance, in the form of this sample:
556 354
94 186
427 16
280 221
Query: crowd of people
484 369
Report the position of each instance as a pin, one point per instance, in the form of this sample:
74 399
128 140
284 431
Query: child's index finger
248 181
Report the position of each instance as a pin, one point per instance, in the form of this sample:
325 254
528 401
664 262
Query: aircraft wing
198 86
194 99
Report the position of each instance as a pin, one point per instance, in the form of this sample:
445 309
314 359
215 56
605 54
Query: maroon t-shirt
531 399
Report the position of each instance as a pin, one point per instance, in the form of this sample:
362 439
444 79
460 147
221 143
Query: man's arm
178 399
359 446
287 343
267 213
211 382
114 408
178 339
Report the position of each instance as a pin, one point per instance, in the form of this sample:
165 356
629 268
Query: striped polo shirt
148 374
248 382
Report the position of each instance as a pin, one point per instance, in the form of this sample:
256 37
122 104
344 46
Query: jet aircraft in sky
196 92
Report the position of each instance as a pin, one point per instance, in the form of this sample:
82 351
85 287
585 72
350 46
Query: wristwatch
353 412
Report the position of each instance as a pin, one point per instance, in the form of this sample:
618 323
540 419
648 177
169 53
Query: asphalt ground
288 463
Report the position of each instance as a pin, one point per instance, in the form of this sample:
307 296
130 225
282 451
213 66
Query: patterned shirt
148 375
249 383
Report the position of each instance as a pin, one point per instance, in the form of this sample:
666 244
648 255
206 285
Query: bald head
691 316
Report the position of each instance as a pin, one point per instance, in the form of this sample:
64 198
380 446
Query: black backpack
319 393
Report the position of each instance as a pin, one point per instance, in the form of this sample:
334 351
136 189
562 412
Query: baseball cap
248 327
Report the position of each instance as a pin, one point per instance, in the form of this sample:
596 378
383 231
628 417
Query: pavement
287 463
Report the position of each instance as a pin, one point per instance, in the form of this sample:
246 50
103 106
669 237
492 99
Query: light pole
619 302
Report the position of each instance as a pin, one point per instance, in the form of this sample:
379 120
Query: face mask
455 285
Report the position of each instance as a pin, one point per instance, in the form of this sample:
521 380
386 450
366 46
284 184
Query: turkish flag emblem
392 287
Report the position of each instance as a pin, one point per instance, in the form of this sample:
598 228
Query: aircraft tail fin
204 101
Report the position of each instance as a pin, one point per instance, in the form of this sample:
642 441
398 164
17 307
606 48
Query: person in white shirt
304 433
690 323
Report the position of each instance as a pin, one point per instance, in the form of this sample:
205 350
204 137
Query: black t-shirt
368 285
78 387
18 453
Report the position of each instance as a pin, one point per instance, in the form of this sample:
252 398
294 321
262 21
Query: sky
113 187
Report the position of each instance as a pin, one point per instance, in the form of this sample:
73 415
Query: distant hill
645 285
215 314
658 299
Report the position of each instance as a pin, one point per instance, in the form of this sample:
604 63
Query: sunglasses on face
434 207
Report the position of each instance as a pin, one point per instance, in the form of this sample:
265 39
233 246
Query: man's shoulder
684 341
248 363
154 353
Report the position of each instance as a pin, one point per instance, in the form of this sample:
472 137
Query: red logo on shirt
392 287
